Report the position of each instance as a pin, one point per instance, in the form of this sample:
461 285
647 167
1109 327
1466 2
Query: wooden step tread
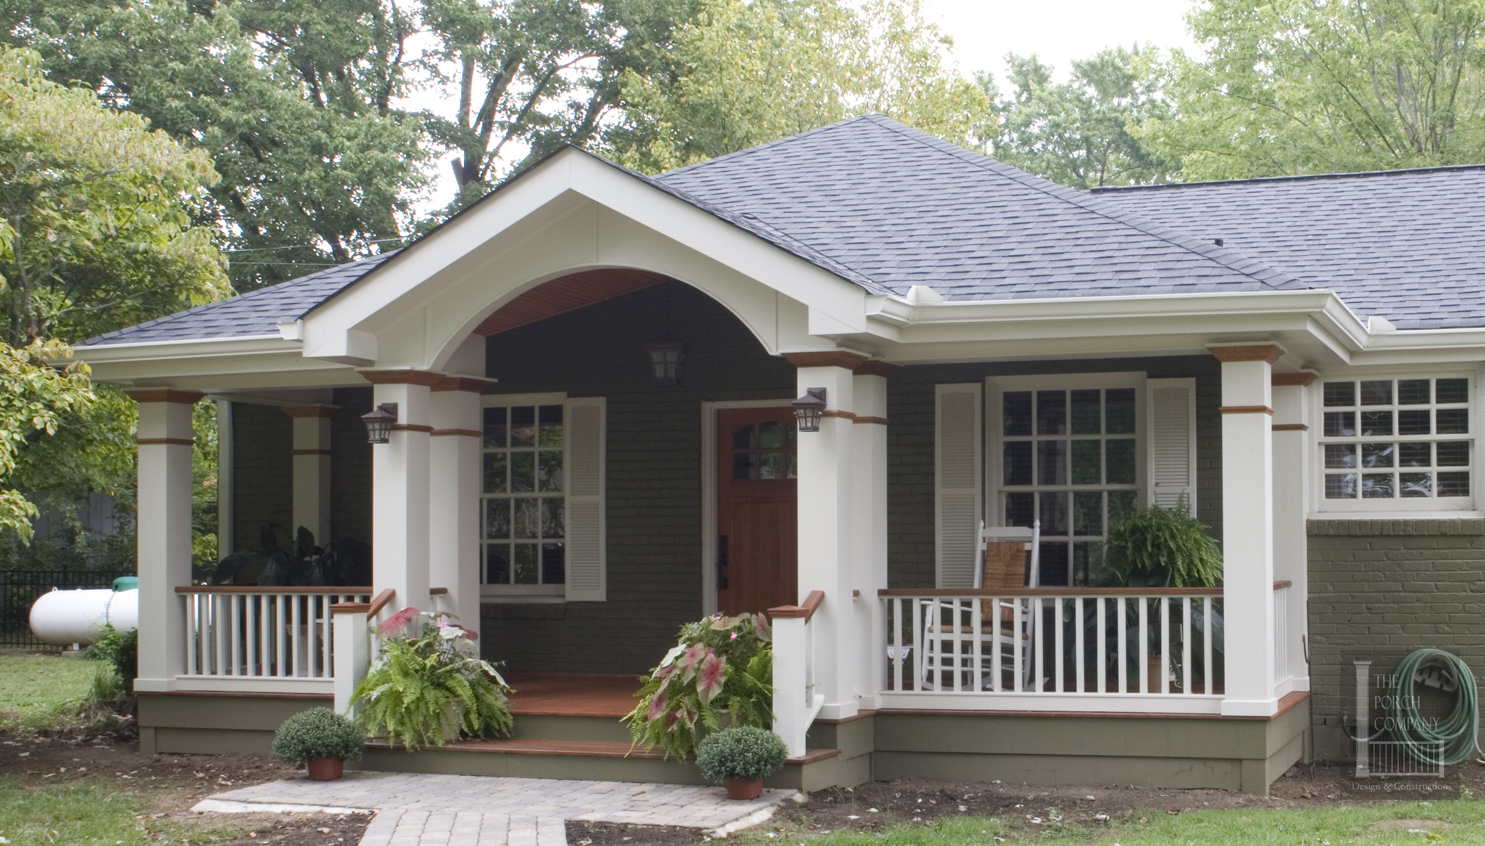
576 748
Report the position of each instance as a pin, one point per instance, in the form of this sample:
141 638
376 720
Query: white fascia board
394 286
264 359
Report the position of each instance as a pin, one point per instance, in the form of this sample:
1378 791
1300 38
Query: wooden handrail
438 591
805 611
380 602
1068 592
310 589
1282 584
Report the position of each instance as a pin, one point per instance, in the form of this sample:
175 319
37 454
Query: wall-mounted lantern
379 422
809 408
666 354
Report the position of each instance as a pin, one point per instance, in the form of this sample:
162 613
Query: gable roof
1405 245
886 208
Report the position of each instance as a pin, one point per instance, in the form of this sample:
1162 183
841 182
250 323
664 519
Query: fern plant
1162 547
424 689
718 664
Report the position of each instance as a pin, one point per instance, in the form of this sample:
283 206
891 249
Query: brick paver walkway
454 810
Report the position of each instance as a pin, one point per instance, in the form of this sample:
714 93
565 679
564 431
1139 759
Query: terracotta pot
326 769
744 788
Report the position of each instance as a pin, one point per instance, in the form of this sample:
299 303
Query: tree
94 233
1078 133
292 100
745 73
1300 86
530 77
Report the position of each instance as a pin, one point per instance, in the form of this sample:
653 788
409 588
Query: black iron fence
20 588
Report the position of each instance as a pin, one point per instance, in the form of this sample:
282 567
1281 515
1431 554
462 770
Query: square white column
869 521
454 496
164 534
827 532
312 468
1248 528
400 488
1293 459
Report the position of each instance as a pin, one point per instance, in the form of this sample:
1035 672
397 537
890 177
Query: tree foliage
1078 133
292 100
739 74
1301 86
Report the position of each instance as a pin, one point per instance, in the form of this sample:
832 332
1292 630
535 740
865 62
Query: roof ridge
1229 259
1298 177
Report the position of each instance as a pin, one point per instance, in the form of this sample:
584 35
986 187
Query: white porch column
165 441
312 468
400 488
827 531
1292 492
1248 528
869 519
454 498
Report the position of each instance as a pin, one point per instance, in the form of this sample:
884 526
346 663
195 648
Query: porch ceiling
565 294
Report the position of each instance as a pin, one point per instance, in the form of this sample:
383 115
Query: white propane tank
65 617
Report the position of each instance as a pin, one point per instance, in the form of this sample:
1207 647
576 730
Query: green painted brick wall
654 474
1380 589
910 412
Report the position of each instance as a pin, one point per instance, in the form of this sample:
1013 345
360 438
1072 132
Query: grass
1456 821
39 690
85 813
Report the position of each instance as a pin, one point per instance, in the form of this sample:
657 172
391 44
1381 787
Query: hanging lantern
666 354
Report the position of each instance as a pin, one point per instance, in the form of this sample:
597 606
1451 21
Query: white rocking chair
1007 626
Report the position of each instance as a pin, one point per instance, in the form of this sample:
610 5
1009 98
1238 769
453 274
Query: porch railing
795 700
1017 648
268 636
1283 680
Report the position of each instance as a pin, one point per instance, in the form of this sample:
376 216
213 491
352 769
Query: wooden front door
757 513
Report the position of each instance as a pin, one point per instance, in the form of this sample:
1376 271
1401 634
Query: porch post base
1250 708
153 685
839 710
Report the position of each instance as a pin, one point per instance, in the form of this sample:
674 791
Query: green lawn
88 812
1453 821
38 690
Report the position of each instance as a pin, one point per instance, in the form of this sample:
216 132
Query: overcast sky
1056 30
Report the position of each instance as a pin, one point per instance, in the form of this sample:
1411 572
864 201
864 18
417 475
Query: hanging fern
1159 547
422 691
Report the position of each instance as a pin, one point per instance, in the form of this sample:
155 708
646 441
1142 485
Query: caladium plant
719 666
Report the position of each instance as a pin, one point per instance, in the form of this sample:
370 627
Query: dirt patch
172 784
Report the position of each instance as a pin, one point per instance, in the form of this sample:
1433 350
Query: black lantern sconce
379 422
809 408
666 354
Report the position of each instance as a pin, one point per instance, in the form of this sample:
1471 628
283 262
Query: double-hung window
541 514
1397 443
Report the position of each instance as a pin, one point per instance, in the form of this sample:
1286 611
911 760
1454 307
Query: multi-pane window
1070 459
766 451
1392 439
523 502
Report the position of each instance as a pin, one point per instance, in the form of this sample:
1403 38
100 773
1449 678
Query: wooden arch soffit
567 293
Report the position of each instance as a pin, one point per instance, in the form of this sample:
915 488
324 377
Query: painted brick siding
263 473
654 474
1380 589
910 435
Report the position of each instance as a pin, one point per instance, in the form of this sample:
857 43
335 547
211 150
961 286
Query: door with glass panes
1067 455
757 511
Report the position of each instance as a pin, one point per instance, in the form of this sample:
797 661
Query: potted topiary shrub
320 740
741 757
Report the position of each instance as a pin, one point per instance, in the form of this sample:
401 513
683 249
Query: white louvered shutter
584 468
958 447
1172 416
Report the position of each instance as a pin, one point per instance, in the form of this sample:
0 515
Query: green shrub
121 650
425 689
317 733
718 664
741 752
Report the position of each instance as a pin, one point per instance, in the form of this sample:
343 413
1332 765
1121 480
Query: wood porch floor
572 695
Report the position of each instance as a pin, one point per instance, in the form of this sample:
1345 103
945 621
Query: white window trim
1394 508
515 593
997 386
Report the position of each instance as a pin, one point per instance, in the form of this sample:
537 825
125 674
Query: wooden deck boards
572 695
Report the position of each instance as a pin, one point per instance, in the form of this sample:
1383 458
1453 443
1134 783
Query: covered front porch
540 486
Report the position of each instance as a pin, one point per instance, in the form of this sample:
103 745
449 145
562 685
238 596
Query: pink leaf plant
398 623
710 676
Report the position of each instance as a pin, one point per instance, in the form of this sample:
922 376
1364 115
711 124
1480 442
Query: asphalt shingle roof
887 207
255 313
1405 245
